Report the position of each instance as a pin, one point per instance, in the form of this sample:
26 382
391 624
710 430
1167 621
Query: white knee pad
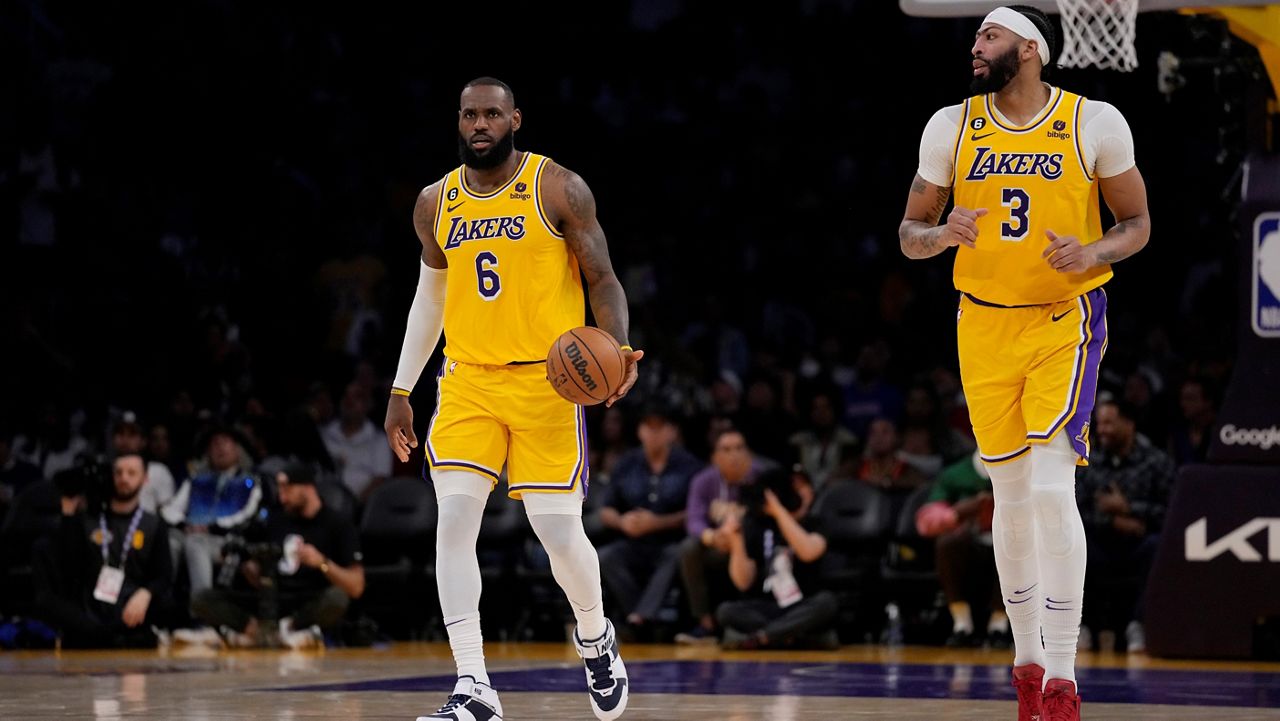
1053 483
1015 529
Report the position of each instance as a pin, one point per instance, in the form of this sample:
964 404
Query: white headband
1021 25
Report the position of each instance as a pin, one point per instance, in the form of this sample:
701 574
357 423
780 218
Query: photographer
103 578
305 562
774 548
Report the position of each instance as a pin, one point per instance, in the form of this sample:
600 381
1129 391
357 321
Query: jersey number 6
490 285
1018 203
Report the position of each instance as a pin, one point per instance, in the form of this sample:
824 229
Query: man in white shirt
356 445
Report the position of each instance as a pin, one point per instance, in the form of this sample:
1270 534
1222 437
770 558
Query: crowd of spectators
221 294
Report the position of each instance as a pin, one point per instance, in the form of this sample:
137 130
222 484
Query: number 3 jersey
513 284
1031 179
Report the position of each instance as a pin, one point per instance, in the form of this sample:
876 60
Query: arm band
422 332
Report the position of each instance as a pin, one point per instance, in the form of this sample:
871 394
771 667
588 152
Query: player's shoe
1027 680
472 700
606 676
1061 703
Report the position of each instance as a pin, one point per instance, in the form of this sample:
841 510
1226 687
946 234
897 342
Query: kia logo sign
1236 542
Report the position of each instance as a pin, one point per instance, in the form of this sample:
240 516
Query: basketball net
1098 33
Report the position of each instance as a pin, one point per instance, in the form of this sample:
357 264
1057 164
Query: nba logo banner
1266 275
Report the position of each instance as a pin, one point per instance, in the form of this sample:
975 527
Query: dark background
206 206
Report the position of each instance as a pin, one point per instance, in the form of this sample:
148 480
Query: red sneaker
1060 701
1027 679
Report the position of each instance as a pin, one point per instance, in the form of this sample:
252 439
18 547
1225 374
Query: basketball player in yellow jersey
1025 162
506 239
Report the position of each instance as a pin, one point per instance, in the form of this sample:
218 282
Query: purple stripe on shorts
1076 428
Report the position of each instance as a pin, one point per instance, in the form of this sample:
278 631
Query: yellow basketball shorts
1031 372
490 416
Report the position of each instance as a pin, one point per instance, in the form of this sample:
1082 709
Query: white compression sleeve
1014 539
422 332
1062 552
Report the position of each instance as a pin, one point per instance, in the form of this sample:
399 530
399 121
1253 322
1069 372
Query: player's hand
399 427
962 227
629 375
1065 254
135 611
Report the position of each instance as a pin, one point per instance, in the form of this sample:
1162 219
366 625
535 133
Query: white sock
961 617
1062 552
576 568
1013 531
458 581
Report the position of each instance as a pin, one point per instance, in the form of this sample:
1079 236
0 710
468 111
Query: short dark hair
299 474
487 80
1042 22
1126 409
141 455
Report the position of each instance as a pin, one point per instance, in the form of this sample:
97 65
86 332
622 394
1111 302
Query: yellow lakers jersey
513 285
1030 179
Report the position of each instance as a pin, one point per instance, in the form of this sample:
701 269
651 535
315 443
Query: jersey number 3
1018 203
490 285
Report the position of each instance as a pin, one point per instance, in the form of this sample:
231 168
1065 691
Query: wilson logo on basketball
580 365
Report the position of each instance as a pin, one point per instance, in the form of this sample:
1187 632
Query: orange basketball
585 365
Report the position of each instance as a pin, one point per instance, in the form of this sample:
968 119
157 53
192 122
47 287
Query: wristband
626 348
399 392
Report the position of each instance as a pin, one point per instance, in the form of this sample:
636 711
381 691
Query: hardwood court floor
545 681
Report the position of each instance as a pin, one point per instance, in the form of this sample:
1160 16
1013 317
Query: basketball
585 365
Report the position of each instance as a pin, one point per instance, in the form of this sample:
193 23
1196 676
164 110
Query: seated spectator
774 548
1193 431
127 438
958 514
922 412
881 465
1123 495
220 497
317 572
103 578
15 473
823 442
357 446
645 502
713 498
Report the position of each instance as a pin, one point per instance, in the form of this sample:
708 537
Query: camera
90 477
780 481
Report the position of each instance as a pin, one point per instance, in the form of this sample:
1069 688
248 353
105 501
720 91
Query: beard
1000 70
125 496
496 155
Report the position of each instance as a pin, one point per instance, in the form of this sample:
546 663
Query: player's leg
461 497
992 369
557 521
548 470
465 448
993 365
1057 404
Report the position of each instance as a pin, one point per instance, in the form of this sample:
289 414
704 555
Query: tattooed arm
573 210
920 234
1126 195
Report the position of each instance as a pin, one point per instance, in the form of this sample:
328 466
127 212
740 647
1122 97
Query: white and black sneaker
606 676
472 700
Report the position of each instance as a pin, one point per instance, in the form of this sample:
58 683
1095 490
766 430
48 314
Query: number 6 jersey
513 284
1031 179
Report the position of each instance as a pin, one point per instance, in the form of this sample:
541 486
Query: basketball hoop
1099 33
